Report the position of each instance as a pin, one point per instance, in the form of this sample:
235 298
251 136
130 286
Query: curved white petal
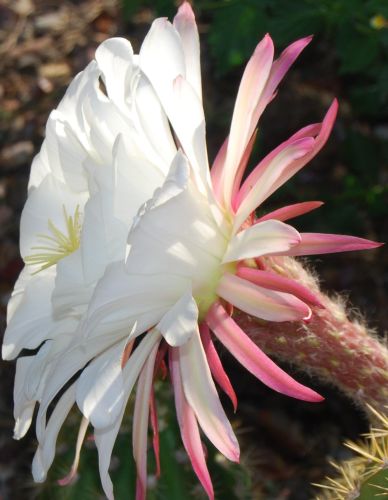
180 322
261 239
23 406
115 59
202 396
45 453
178 227
30 318
121 301
184 23
105 438
100 389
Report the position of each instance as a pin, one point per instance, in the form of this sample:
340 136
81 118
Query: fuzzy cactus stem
330 346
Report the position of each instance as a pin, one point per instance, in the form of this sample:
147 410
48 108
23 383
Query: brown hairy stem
330 346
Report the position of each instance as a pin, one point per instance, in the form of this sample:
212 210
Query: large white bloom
126 232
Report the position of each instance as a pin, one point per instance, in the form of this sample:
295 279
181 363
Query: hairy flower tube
136 252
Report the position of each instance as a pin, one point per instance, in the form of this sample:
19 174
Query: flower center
57 245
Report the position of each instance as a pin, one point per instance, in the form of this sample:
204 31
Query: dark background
43 44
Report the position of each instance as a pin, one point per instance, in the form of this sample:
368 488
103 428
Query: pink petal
274 167
264 238
65 481
242 166
217 170
261 302
244 122
318 243
253 358
140 423
274 281
155 431
291 211
189 427
216 366
274 172
279 69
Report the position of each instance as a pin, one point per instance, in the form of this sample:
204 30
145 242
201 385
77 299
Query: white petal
115 59
45 453
184 23
162 59
181 321
154 125
47 202
30 319
100 390
121 300
202 396
105 438
261 239
23 406
72 293
180 229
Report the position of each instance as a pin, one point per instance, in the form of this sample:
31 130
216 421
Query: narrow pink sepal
72 475
185 10
291 211
241 168
155 431
274 281
321 131
188 426
319 243
253 358
279 68
244 118
140 422
261 302
140 489
217 170
68 479
216 366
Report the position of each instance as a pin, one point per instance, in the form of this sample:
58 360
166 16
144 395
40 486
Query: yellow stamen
58 244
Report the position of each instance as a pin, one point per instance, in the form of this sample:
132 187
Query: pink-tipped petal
202 396
184 23
216 366
319 243
279 69
260 239
140 423
253 358
261 302
277 282
244 121
273 171
217 170
155 431
189 427
241 168
291 211
65 481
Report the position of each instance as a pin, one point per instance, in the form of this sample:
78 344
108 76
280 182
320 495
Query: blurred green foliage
356 29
